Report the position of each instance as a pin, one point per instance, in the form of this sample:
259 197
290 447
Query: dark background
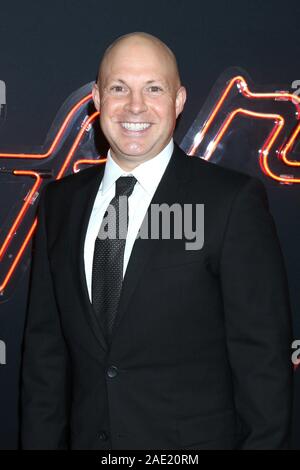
50 49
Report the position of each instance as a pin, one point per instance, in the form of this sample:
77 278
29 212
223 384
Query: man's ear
180 100
96 96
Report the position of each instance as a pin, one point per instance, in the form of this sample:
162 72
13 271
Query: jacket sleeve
45 373
258 320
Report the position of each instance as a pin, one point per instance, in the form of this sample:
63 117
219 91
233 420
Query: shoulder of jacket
69 182
215 176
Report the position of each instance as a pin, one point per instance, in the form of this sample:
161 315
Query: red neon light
279 122
86 161
33 190
20 216
39 156
76 143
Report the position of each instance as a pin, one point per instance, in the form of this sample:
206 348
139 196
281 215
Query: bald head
136 41
139 96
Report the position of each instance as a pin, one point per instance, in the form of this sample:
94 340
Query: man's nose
136 103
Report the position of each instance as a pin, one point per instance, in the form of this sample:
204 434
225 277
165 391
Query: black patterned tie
107 274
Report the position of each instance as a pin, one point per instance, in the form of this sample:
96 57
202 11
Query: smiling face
139 97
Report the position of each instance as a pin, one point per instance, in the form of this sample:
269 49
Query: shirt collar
148 174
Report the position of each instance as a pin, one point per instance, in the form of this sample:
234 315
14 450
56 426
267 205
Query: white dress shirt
148 175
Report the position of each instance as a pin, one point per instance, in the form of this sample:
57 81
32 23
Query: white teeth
135 126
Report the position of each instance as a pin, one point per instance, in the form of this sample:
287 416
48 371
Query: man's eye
117 89
155 89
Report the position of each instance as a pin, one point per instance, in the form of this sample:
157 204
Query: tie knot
125 185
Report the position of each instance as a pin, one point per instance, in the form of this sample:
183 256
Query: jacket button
112 372
102 436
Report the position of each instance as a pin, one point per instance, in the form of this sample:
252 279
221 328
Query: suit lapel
82 206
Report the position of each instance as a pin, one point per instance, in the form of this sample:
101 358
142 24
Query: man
186 348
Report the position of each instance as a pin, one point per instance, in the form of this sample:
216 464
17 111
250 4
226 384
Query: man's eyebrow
160 81
155 81
117 80
148 82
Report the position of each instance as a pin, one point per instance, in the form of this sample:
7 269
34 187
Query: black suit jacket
200 354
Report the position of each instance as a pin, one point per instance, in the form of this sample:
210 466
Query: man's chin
133 154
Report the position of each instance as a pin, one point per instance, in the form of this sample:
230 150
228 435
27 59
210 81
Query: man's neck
129 163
